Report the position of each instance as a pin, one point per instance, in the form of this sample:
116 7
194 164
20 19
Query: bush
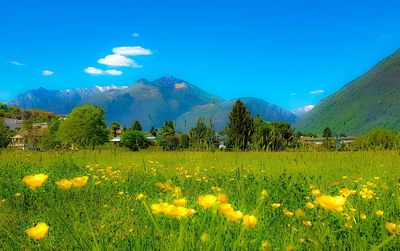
378 139
134 140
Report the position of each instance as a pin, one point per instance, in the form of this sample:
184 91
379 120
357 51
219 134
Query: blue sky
290 53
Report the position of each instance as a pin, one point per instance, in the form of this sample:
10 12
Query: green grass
99 217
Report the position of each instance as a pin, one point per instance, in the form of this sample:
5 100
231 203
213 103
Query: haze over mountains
151 102
370 101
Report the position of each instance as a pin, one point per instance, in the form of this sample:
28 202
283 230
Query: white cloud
301 111
93 71
293 94
118 60
135 34
317 92
96 71
113 72
132 51
17 63
47 73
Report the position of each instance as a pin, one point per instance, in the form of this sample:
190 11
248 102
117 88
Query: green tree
184 141
211 136
198 135
50 139
84 127
134 140
168 129
240 127
5 134
170 143
137 126
115 127
153 131
327 133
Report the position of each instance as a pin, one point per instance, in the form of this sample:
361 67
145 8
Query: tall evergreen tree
137 126
198 135
115 127
240 127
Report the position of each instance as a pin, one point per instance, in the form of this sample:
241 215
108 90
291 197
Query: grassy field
107 212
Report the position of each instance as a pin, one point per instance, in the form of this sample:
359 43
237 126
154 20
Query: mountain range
150 102
370 101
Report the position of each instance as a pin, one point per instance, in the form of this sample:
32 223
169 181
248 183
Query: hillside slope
372 100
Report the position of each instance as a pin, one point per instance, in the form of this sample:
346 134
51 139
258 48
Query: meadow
154 200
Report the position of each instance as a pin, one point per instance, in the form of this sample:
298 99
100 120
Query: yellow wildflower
39 231
347 192
315 192
234 216
141 197
265 245
334 203
79 181
177 191
205 237
307 223
367 193
392 228
363 216
287 213
64 184
276 205
222 198
309 205
348 225
379 213
226 209
180 202
249 221
35 181
207 201
299 213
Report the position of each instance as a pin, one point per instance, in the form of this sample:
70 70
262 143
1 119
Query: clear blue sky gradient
275 50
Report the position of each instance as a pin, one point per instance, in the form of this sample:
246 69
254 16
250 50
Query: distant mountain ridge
370 101
150 102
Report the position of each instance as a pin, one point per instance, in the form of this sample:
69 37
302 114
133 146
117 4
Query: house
28 140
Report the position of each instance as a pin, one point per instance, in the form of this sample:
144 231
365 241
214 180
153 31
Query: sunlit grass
114 208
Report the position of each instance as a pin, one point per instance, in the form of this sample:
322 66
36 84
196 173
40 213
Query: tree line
85 128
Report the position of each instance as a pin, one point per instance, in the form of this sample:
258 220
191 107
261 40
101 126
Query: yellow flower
205 237
334 203
367 193
64 184
226 209
234 216
363 216
347 192
392 228
263 194
35 181
348 225
307 223
222 198
39 231
287 213
180 202
299 213
276 205
177 191
141 197
249 221
265 245
379 213
179 212
79 181
207 201
315 192
156 208
309 205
